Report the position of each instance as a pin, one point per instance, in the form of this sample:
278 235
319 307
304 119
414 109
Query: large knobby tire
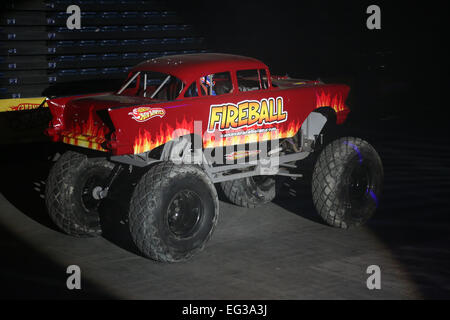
250 192
173 212
69 193
347 182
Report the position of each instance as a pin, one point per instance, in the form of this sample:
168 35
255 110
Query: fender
313 125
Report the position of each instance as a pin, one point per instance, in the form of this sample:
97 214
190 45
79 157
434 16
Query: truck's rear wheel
347 182
250 192
173 212
70 193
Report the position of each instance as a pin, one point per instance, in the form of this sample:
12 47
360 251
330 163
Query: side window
248 80
133 83
216 84
263 77
169 87
148 83
132 87
171 90
191 91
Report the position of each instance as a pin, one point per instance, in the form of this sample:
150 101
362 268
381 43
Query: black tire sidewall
331 178
148 216
168 190
64 189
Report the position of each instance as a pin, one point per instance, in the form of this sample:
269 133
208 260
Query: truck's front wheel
347 182
173 212
70 193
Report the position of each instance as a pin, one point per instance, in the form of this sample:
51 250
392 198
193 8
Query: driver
207 83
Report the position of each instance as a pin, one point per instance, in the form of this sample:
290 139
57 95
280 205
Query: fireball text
246 114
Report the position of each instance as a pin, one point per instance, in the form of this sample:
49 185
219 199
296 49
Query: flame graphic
89 134
325 100
145 141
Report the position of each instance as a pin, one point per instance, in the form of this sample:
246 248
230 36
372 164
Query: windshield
153 85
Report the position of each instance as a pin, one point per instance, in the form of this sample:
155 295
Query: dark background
398 70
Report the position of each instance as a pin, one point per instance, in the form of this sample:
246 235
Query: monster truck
195 121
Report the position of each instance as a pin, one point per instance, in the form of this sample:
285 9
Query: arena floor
279 251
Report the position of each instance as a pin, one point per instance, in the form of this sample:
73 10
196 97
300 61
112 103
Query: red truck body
128 124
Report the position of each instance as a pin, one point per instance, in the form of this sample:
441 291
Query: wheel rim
184 213
87 196
360 191
359 183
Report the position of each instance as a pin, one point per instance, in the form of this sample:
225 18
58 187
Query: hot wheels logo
141 114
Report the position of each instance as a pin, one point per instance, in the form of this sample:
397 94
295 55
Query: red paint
78 118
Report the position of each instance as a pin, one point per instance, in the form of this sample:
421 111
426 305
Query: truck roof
191 66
